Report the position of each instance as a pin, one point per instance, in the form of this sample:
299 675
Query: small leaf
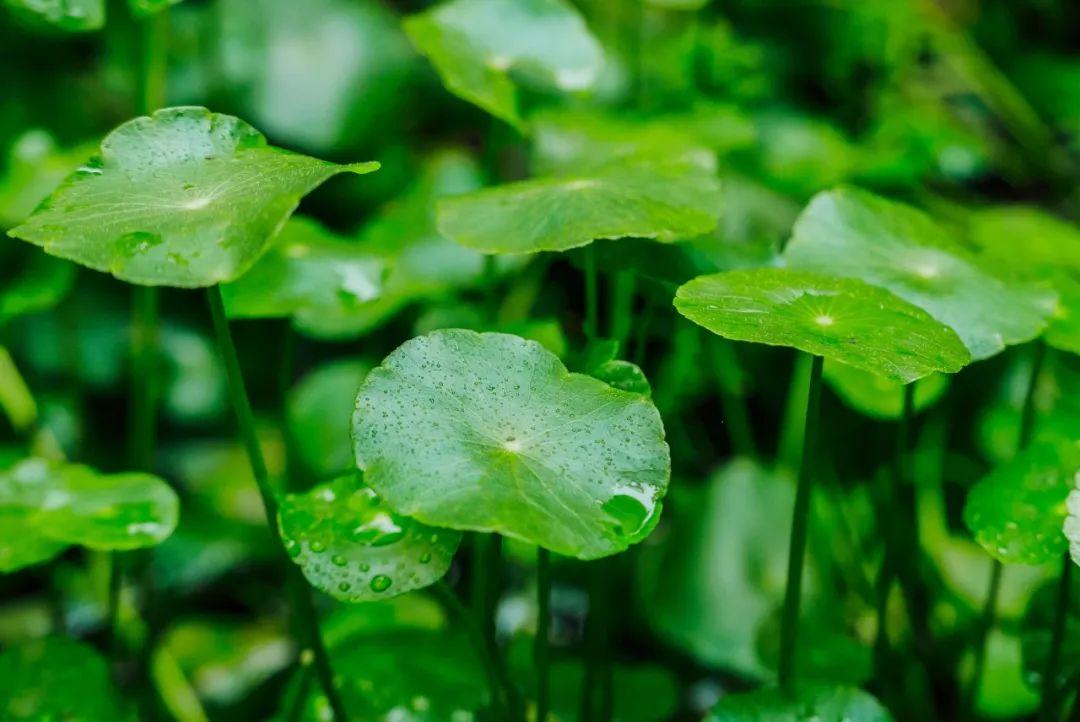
319 409
490 432
878 397
352 546
309 274
852 233
183 198
842 319
57 679
809 704
1017 511
74 16
666 202
475 45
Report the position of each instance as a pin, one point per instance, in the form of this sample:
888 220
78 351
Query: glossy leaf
878 397
68 15
842 319
475 45
352 546
184 198
852 233
666 202
319 409
58 679
512 442
310 274
809 704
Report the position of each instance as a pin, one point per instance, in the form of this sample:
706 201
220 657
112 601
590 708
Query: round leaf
318 411
1016 513
184 197
842 319
879 397
354 547
57 679
666 202
475 44
490 432
809 704
848 232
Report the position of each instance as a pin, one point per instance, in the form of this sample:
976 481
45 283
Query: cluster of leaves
723 353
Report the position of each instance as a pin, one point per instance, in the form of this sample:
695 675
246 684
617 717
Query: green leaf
143 8
352 546
877 396
489 432
318 411
852 233
475 45
35 166
74 16
183 198
40 283
71 504
809 704
310 274
842 319
16 400
1016 512
666 202
57 679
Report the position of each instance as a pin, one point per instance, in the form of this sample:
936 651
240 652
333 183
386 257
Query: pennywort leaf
58 679
877 396
184 197
490 432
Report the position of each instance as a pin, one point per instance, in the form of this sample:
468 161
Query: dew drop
380 583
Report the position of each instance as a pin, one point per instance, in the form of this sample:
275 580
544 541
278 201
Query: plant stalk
305 608
592 301
1049 705
800 524
542 650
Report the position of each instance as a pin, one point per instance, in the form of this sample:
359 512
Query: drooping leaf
809 704
57 679
319 409
877 396
475 45
52 505
76 16
184 197
842 319
319 279
666 202
852 233
513 443
352 546
1016 513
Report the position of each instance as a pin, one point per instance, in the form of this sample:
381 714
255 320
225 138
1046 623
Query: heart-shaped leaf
852 233
57 679
842 319
354 547
476 44
184 197
809 704
1017 511
666 202
311 275
490 432
50 505
877 396
319 409
76 16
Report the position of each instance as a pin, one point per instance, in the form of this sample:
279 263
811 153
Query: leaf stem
1057 638
305 608
542 650
592 301
800 523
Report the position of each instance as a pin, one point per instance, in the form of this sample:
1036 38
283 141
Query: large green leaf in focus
490 432
879 397
1017 512
74 16
184 197
352 546
319 410
842 319
47 505
57 679
667 202
808 704
475 45
849 232
310 274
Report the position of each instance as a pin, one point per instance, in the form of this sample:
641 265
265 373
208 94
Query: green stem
153 61
250 439
622 302
491 298
793 425
800 524
542 650
592 302
1057 638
